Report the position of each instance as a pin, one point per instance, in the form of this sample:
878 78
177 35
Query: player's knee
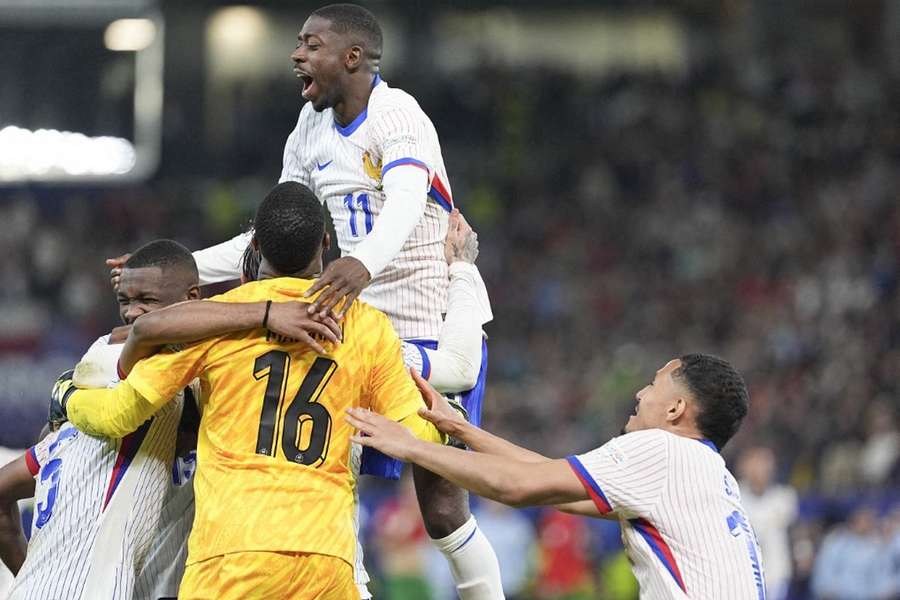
443 517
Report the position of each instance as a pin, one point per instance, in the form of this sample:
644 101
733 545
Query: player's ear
255 243
326 242
354 58
194 292
677 409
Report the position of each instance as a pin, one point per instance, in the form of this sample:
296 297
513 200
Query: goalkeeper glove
456 405
59 396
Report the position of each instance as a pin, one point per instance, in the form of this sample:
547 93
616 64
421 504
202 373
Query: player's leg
454 531
452 528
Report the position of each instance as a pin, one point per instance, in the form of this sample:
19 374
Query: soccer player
373 157
456 356
679 508
110 521
273 486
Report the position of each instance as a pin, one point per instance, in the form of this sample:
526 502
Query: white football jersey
106 511
344 166
683 525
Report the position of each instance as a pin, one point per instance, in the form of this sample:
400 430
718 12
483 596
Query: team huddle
212 448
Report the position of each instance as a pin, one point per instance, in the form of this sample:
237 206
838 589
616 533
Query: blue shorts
380 465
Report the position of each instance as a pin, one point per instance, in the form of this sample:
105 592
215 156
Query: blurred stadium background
647 178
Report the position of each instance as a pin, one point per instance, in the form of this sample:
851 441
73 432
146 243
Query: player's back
344 166
273 452
697 530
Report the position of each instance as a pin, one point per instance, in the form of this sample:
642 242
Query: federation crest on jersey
372 169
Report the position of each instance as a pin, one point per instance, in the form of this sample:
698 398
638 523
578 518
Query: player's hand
62 389
115 269
119 334
447 419
342 280
378 432
293 320
462 241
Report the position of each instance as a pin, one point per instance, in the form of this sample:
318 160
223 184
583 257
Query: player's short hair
356 21
720 393
165 254
289 227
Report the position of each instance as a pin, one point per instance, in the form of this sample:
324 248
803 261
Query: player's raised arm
455 365
200 319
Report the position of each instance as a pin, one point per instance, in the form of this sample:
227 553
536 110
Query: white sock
472 562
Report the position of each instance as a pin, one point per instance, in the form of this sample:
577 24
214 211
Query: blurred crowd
746 208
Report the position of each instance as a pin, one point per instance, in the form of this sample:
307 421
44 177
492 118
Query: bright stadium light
47 153
129 35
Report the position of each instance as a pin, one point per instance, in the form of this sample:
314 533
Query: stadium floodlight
94 136
129 35
47 153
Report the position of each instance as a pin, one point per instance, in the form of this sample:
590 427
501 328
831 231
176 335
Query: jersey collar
709 444
360 118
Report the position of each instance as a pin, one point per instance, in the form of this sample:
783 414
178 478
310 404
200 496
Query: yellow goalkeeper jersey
273 468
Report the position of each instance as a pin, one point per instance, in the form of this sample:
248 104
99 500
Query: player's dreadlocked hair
290 226
165 254
250 264
357 21
720 392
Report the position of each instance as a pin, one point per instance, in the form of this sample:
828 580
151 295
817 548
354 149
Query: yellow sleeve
159 377
424 430
111 413
393 392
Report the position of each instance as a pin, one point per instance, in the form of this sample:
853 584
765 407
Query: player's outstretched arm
16 483
449 421
506 480
199 319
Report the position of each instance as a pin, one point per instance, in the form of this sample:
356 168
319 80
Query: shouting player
683 524
373 157
273 487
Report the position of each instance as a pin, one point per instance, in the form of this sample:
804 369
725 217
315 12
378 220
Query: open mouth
306 81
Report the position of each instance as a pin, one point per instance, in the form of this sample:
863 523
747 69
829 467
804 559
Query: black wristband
266 317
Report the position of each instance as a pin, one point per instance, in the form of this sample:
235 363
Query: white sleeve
457 361
627 474
405 189
98 368
222 262
291 164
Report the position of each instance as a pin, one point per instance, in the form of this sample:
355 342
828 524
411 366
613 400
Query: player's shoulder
364 321
386 101
636 443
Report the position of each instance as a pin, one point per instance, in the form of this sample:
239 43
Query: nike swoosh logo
323 165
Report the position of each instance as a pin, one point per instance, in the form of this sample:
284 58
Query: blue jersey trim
360 118
404 161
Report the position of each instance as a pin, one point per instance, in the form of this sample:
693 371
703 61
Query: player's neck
355 101
267 272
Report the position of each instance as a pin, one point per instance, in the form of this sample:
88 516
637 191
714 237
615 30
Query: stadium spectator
772 508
